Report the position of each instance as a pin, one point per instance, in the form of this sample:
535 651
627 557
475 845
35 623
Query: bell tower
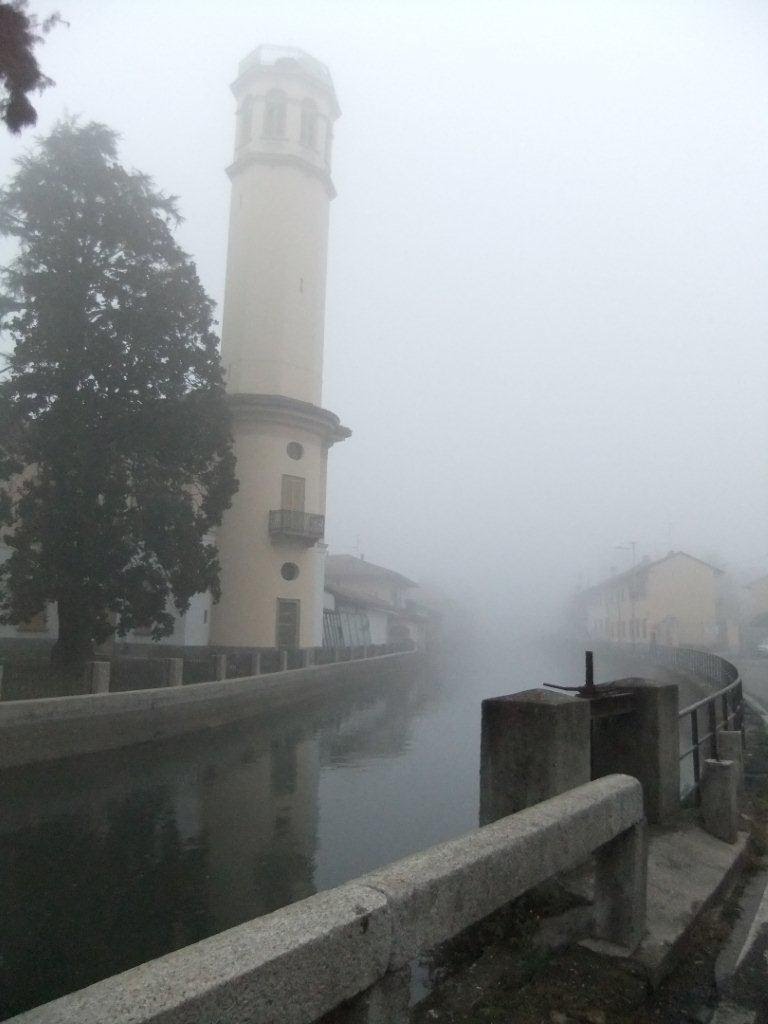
270 542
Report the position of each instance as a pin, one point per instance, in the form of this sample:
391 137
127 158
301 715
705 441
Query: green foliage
20 73
113 406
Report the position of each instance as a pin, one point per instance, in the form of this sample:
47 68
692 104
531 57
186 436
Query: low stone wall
352 945
56 727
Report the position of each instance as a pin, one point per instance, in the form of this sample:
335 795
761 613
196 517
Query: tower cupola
286 108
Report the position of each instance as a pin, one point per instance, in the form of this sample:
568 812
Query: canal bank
111 858
381 783
52 728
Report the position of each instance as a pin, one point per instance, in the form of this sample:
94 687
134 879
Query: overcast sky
547 317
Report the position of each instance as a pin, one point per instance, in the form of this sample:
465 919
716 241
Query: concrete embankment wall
56 727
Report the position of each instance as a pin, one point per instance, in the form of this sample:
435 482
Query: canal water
109 860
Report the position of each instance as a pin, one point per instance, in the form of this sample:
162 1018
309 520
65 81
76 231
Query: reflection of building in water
259 819
109 860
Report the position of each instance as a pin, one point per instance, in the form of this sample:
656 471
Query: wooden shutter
293 493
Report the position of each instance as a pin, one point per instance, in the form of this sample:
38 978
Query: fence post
696 750
255 663
308 657
712 727
534 745
97 676
719 803
731 748
219 666
283 660
173 671
621 869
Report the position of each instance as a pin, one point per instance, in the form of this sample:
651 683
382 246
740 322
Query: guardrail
724 709
288 522
28 679
353 945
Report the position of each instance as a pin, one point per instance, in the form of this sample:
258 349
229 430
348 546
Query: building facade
673 601
368 604
270 542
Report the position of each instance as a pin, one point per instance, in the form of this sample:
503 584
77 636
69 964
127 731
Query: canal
109 860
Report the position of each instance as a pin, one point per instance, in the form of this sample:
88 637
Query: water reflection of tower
259 819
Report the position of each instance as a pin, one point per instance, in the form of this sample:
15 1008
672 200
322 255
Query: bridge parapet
348 949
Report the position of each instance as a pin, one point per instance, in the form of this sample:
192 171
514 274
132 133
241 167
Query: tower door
287 632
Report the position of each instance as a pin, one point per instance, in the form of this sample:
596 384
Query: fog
547 301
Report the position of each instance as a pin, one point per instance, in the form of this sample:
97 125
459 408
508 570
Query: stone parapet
534 745
348 948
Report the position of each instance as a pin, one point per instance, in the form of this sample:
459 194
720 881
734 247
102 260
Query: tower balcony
288 524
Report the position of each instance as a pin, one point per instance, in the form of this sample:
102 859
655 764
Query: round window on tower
289 570
295 450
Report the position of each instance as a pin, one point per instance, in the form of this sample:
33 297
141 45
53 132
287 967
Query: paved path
742 967
754 673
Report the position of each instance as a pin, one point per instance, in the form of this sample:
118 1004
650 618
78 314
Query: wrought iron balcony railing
290 524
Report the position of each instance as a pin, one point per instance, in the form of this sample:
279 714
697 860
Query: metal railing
723 709
288 522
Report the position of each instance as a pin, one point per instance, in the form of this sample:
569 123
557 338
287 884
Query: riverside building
271 540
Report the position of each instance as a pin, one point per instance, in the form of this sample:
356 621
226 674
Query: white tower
270 541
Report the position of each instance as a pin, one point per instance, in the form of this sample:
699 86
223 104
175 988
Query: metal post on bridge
712 725
695 745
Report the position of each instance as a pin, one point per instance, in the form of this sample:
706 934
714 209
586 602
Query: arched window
309 124
245 121
274 115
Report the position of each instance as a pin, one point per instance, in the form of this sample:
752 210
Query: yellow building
674 601
270 542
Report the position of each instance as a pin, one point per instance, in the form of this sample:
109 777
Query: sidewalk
754 674
742 967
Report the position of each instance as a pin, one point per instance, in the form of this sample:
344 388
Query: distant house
674 601
368 604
